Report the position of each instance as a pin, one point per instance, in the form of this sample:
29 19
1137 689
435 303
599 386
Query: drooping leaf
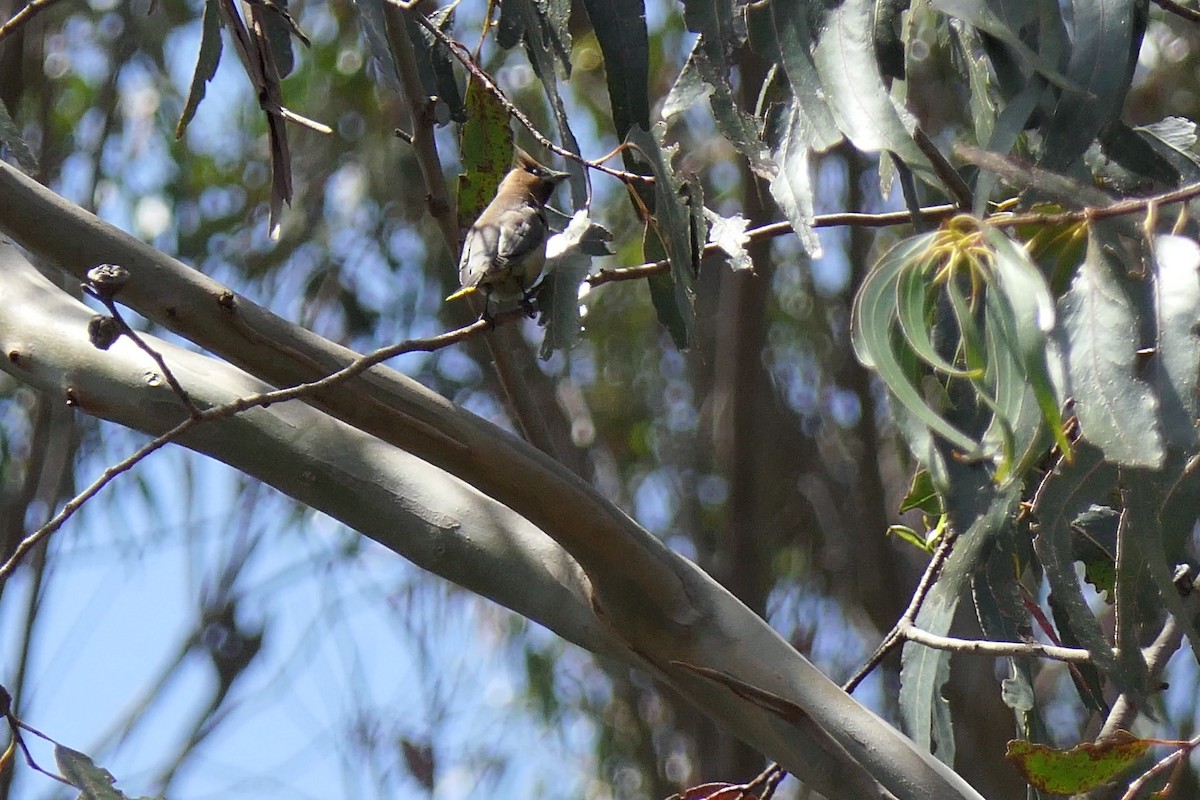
872 325
206 64
541 25
675 232
1117 411
277 25
486 148
436 65
780 32
978 511
982 16
792 185
620 27
1100 66
374 25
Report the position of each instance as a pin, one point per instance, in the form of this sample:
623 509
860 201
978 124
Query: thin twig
765 783
23 16
980 647
1092 213
133 336
1167 762
1190 14
262 399
460 51
895 636
780 229
945 170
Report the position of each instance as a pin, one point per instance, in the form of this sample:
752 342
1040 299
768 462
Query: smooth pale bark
657 608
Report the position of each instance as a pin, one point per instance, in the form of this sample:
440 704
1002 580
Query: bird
505 249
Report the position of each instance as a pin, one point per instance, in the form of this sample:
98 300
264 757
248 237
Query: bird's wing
476 261
522 231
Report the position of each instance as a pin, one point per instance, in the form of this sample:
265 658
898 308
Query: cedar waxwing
505 249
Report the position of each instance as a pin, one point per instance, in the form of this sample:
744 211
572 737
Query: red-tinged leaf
715 791
1080 769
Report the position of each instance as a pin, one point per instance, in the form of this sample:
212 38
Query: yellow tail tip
463 292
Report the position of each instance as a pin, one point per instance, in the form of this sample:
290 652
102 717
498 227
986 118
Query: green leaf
486 148
620 27
674 235
1095 546
1020 303
1080 769
861 105
741 129
206 64
436 65
94 782
1068 491
1101 64
978 511
374 25
875 311
792 185
1174 372
1117 411
780 32
922 494
980 14
913 306
672 302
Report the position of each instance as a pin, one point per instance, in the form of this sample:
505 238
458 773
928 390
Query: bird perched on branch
505 249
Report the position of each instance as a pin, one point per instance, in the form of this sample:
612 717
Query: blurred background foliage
764 451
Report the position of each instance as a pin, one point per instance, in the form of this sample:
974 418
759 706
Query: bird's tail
463 292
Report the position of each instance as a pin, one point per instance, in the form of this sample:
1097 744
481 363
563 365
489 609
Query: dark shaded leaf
1063 495
206 63
541 25
435 65
982 16
1095 546
1163 511
620 27
277 26
1100 65
374 25
674 235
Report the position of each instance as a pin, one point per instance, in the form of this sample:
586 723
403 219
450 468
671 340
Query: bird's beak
556 177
